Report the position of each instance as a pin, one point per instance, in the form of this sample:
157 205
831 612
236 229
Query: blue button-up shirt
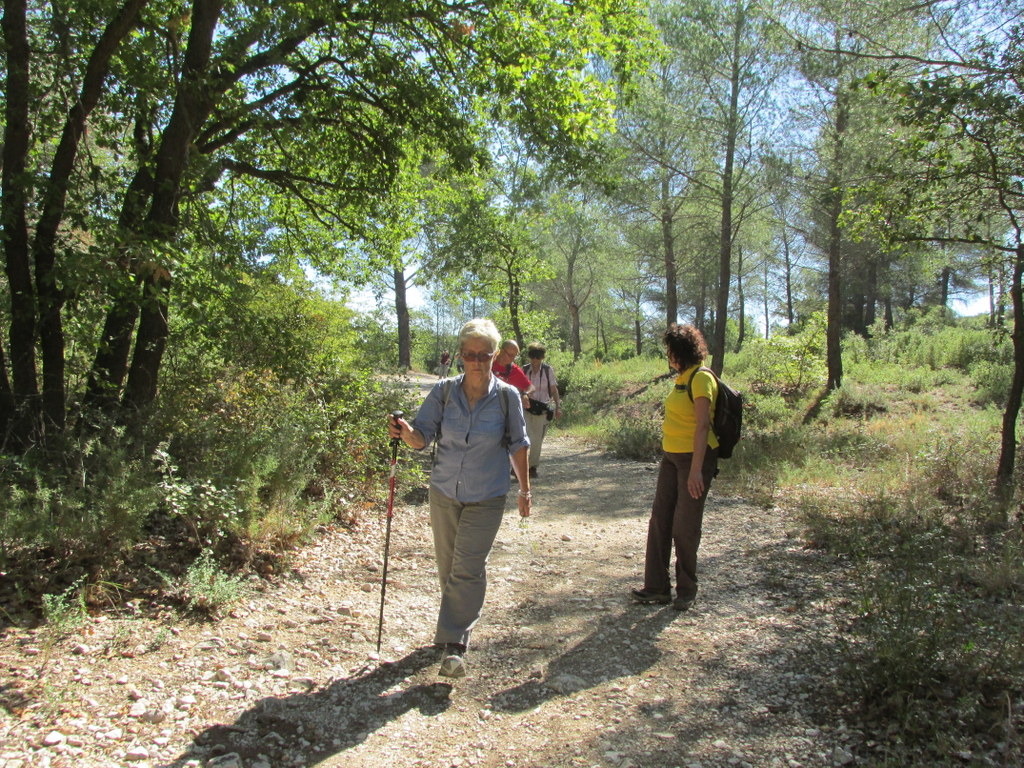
470 463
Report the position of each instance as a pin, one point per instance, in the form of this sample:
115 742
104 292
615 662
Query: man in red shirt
506 370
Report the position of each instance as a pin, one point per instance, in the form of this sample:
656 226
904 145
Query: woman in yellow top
689 462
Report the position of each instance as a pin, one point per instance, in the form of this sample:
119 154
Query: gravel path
565 670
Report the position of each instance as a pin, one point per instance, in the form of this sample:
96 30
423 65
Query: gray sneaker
683 602
453 664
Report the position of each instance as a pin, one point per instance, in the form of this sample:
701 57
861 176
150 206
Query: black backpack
728 421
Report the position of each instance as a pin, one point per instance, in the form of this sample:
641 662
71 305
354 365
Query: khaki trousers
463 536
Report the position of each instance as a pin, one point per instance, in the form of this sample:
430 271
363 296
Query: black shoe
683 602
533 471
647 597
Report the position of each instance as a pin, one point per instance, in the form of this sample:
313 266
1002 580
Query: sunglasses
477 357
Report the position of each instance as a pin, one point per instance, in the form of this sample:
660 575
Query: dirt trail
565 670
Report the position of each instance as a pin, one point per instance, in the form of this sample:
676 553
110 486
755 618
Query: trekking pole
395 415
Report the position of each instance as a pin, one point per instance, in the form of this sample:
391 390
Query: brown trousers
676 520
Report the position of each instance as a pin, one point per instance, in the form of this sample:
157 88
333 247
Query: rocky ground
565 670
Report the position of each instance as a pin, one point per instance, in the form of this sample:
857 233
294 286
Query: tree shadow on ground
621 645
306 728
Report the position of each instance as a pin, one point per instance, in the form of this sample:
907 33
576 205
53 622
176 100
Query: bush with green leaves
208 587
785 365
65 612
637 437
95 501
991 381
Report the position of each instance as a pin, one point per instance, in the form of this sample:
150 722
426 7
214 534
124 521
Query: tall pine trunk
725 231
669 254
1008 442
23 415
833 333
404 325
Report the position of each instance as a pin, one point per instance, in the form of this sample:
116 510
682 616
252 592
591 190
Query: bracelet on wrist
525 494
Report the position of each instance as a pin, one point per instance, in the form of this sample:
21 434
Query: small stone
302 684
185 702
841 756
153 716
53 738
278 660
211 644
31 651
264 637
80 649
566 537
138 709
230 760
137 754
566 684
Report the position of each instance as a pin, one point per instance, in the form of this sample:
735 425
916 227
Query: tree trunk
192 107
871 297
1008 443
725 233
790 317
833 334
669 252
700 310
575 340
24 419
515 300
6 399
741 299
50 295
945 276
767 311
402 312
150 341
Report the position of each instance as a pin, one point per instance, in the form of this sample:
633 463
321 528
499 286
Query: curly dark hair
686 344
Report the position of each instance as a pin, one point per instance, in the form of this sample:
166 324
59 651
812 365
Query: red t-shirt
514 375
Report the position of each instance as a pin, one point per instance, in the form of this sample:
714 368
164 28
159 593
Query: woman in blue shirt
469 480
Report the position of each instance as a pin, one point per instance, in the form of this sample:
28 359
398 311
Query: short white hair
483 329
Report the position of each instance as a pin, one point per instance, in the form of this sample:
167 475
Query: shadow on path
621 645
307 728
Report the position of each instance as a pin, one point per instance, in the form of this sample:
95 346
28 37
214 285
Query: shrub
65 612
784 365
208 588
636 438
992 381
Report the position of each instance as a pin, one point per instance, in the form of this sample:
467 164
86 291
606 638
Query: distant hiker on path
689 462
477 430
545 403
505 368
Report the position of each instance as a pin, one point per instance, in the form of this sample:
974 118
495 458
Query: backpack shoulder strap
507 438
689 384
446 393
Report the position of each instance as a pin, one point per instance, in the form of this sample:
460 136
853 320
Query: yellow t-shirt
680 420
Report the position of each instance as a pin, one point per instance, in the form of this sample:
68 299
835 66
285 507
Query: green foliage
208 588
991 381
65 612
637 438
782 364
96 501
